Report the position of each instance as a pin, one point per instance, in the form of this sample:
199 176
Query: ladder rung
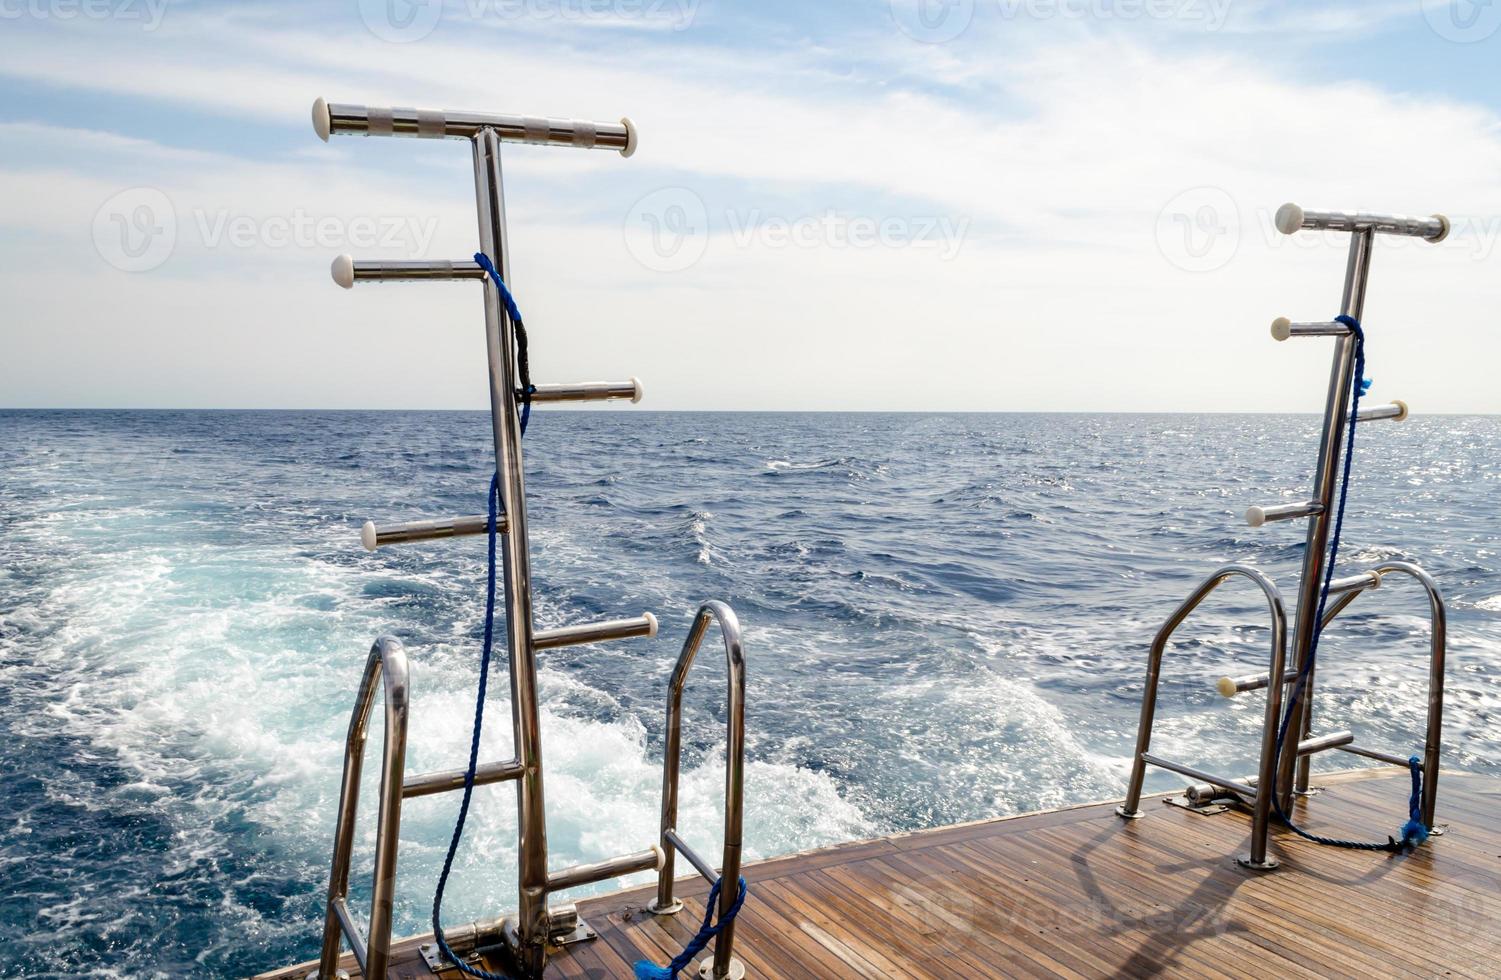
1291 219
447 123
1283 328
1324 742
1199 775
699 864
589 391
587 874
1257 516
373 536
613 629
346 271
1396 411
1386 757
453 779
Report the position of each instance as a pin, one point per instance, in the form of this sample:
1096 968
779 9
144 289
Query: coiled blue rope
647 970
1414 832
495 505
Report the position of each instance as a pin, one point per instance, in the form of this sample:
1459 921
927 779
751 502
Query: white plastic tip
1256 516
1289 218
661 857
1444 233
1282 328
367 535
651 624
343 271
1401 415
636 398
1226 687
323 120
630 136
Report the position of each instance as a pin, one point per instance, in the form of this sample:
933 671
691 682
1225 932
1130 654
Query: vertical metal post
1331 445
1434 735
531 914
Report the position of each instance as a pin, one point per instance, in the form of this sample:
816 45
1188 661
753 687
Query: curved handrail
388 662
1266 770
734 774
1438 646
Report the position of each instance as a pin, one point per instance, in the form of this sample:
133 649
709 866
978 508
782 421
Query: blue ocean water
947 618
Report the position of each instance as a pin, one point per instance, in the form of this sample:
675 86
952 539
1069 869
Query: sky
967 205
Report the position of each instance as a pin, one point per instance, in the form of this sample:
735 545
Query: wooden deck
1080 893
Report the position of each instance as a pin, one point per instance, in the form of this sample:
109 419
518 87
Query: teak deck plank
1077 892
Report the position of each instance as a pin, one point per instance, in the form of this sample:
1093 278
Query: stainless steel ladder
523 942
1291 775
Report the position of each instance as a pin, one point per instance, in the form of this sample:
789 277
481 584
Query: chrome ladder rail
537 926
387 662
1131 808
1293 768
723 965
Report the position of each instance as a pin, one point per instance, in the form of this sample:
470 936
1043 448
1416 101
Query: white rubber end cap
1226 687
1282 328
343 271
661 857
323 120
651 624
1256 516
367 535
630 136
1444 233
1401 415
636 398
1289 218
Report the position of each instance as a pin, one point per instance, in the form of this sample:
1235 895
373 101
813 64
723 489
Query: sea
946 618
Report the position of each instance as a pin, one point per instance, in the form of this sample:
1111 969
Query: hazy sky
952 204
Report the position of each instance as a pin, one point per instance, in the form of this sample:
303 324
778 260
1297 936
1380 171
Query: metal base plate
706 969
672 909
438 963
1270 864
581 933
1125 814
1208 809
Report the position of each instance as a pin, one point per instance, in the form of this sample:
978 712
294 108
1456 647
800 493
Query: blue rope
647 970
1413 832
526 389
479 723
496 506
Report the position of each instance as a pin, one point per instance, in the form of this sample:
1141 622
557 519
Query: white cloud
1058 157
